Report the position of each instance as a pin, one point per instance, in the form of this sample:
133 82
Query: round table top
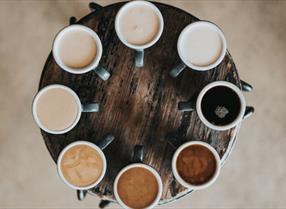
139 105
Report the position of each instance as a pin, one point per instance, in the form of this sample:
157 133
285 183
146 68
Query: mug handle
94 6
139 58
186 106
105 141
81 194
249 110
102 73
90 107
177 70
103 203
138 154
72 20
246 86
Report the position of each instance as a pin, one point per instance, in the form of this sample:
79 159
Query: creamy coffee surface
201 46
77 49
196 164
137 187
81 165
139 24
57 109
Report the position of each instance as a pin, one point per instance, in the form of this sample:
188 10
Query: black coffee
220 105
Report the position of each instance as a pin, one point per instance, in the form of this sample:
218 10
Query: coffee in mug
57 109
78 49
81 165
139 25
138 186
220 105
201 46
196 165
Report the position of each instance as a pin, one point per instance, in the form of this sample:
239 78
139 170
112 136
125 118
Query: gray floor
253 177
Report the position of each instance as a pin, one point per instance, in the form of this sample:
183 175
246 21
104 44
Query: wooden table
139 105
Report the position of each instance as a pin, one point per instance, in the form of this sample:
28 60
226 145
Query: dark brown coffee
137 187
221 105
196 164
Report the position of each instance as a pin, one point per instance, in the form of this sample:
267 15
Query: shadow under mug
81 191
94 65
195 105
90 107
137 162
139 49
185 62
187 184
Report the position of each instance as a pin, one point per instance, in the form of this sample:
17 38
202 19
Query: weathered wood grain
139 106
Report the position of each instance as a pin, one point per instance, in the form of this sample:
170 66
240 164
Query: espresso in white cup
201 46
139 25
57 109
77 49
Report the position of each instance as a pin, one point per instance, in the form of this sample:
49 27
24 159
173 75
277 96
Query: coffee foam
77 49
196 164
81 165
201 46
57 109
137 187
139 24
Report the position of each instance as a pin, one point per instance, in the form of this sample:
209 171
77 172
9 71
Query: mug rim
34 108
187 184
139 165
57 40
242 105
219 32
118 31
91 145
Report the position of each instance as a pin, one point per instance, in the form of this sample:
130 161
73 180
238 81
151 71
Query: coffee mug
81 155
139 25
57 109
220 105
196 165
77 49
201 46
144 196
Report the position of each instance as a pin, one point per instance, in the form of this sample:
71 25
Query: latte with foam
57 109
81 165
139 23
77 49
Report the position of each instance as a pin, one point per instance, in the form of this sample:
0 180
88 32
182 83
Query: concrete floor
253 177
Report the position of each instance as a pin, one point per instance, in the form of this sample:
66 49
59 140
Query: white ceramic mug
187 184
99 70
91 107
182 43
139 56
196 105
99 149
138 163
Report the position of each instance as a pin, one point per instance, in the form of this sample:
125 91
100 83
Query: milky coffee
77 49
201 45
57 109
139 24
81 165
